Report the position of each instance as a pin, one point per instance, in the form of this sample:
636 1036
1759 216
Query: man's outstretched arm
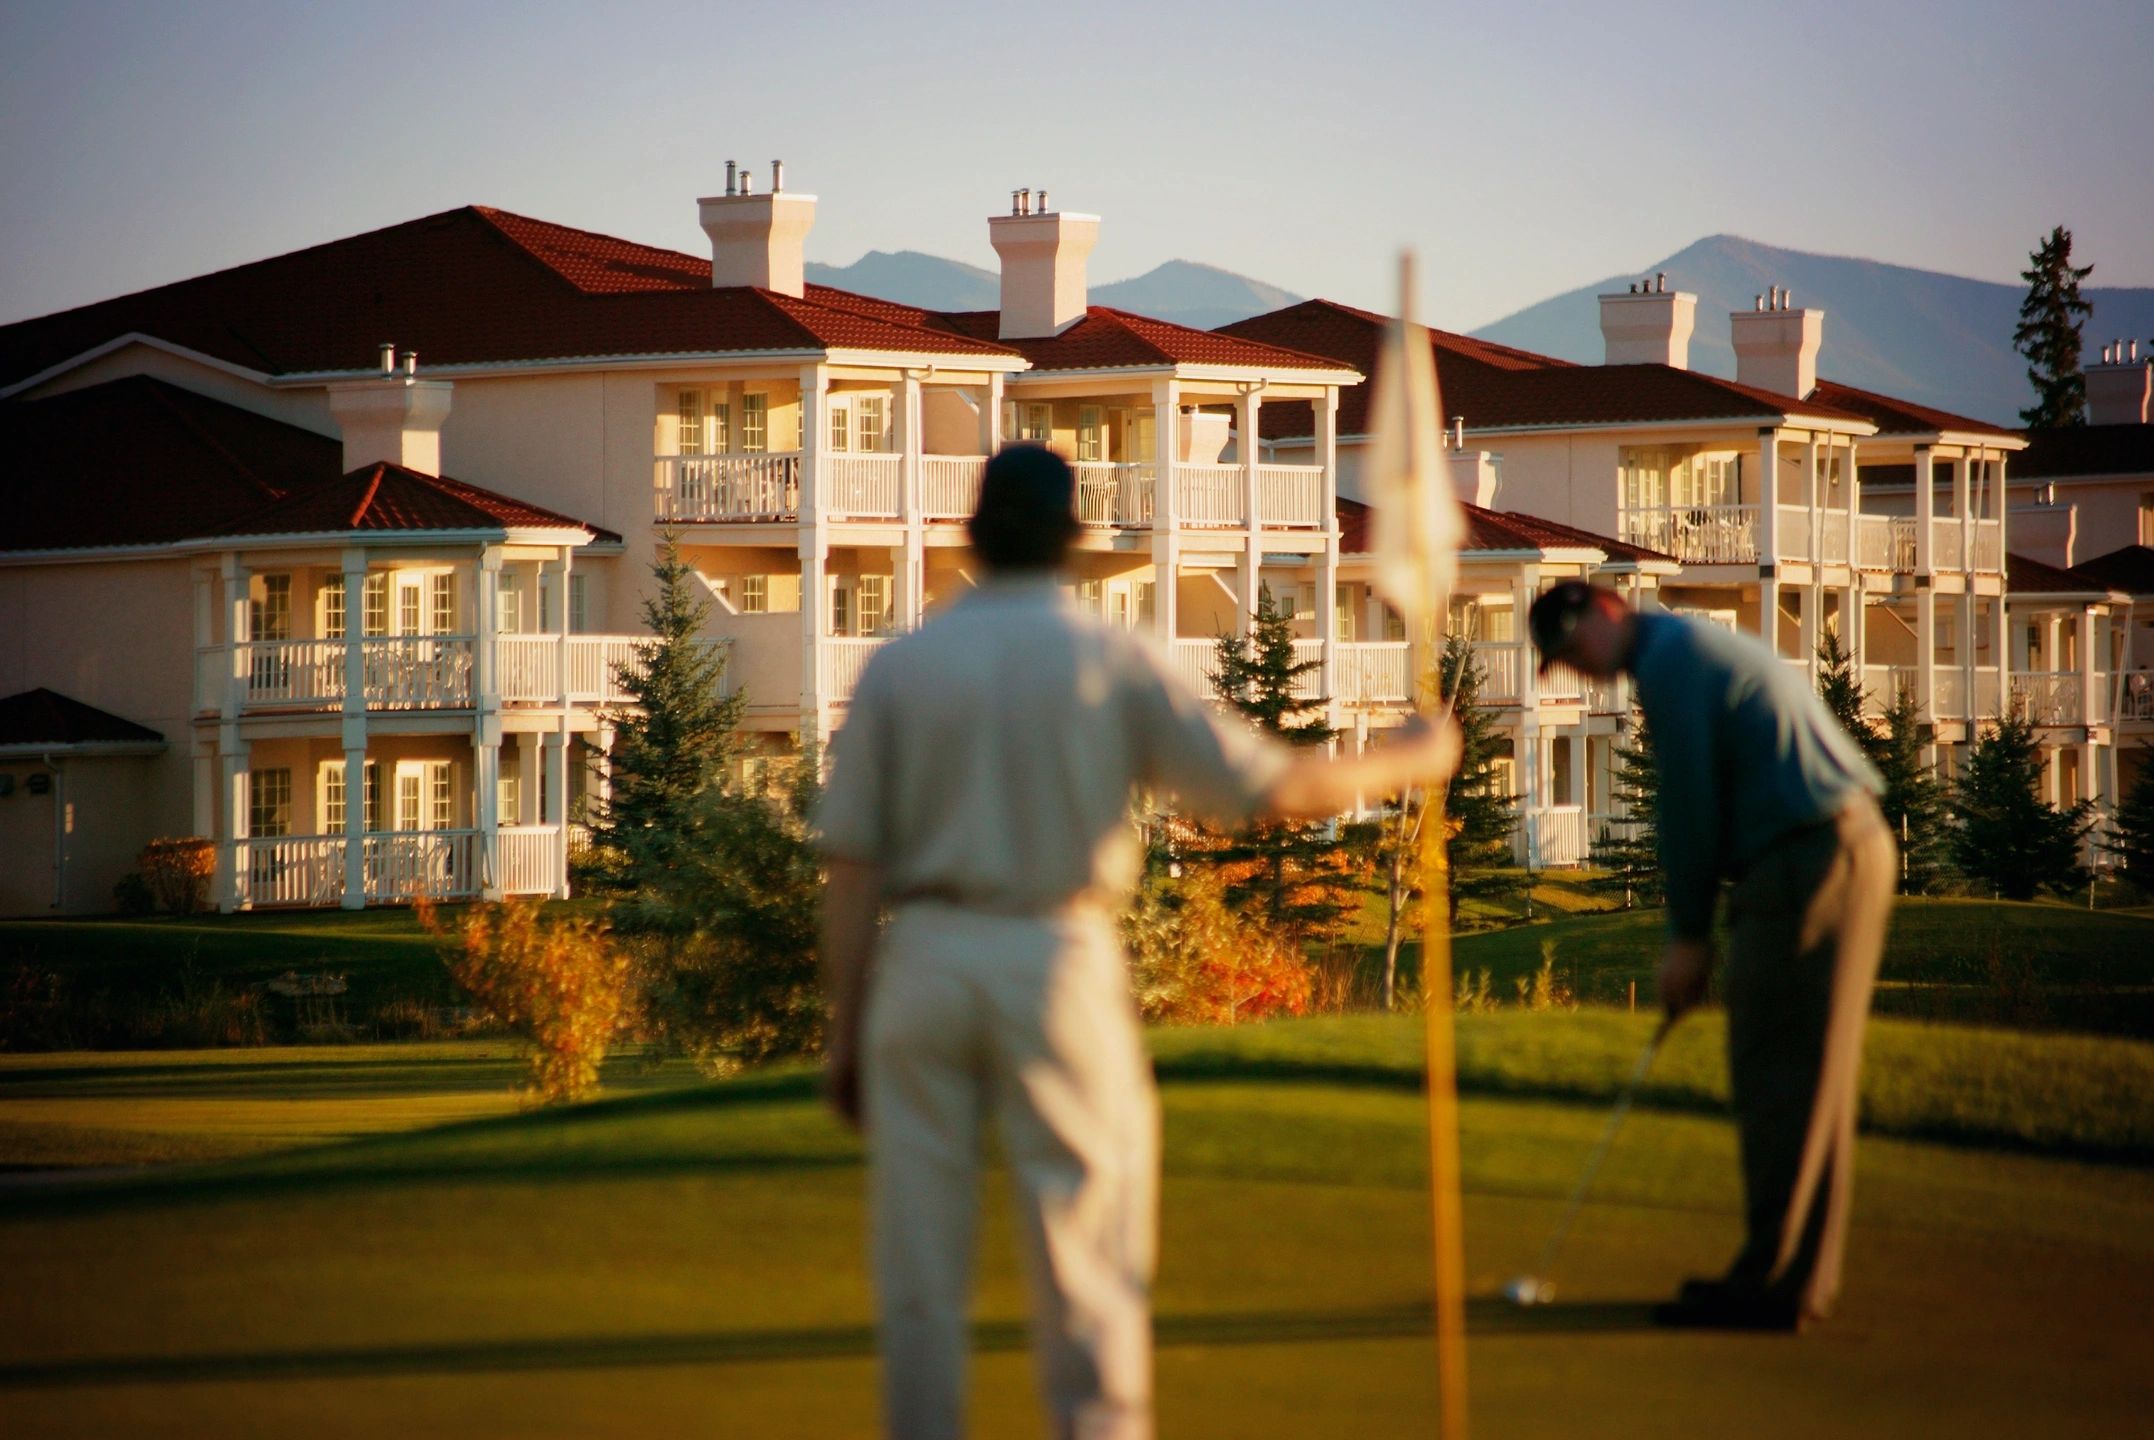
1317 786
852 902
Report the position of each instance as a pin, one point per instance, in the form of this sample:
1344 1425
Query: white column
355 896
1166 542
1851 496
814 549
556 815
912 564
991 416
1769 611
1961 510
353 727
486 812
2091 712
1768 496
1966 638
1925 510
1807 627
1926 649
1327 621
1814 498
1245 421
235 759
234 576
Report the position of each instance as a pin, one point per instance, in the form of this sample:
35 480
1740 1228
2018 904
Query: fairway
687 1259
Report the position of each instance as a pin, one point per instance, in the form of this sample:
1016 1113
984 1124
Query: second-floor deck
766 488
1734 535
411 672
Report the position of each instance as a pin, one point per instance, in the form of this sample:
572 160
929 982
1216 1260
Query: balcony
396 865
1885 542
1375 672
1554 835
1115 495
950 486
2135 697
863 487
1696 534
738 488
1949 698
841 660
2051 697
1290 496
410 672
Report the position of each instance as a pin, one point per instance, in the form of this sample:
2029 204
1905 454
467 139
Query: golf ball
1526 1290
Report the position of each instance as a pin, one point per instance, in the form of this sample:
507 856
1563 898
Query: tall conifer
2048 334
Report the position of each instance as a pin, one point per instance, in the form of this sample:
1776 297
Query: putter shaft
1601 1148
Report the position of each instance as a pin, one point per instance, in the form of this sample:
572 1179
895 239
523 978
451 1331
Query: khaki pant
1808 923
1030 1019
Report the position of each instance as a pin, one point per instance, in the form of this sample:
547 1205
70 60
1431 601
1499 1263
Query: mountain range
1941 340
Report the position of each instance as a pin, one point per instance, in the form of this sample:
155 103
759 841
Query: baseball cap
1555 615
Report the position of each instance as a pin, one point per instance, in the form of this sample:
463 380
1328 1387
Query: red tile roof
141 462
46 717
1496 387
2025 575
2130 569
384 496
469 286
1498 530
2085 450
1900 417
1107 339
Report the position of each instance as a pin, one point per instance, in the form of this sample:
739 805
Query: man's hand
841 1086
1684 972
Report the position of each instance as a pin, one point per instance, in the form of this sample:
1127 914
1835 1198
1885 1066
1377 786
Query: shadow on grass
748 1347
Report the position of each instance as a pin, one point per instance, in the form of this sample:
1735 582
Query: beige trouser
1029 1018
1808 927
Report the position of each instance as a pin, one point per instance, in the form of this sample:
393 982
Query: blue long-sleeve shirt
1746 751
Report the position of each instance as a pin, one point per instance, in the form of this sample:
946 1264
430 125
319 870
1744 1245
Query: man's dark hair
1027 514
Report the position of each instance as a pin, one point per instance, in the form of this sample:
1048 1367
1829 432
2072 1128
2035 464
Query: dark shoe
1716 1305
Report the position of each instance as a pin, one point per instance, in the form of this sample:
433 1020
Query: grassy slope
689 1260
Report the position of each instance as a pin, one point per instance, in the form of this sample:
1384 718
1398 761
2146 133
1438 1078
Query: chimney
1776 347
393 416
1650 325
1043 254
2120 390
758 239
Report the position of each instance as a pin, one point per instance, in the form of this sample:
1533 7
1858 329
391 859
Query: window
871 423
269 616
1147 595
333 608
512 605
407 608
1091 597
269 802
374 604
1342 610
692 434
754 594
1394 624
841 426
874 604
332 798
506 796
370 795
841 609
1140 435
755 423
1036 422
579 604
443 595
1091 434
441 796
408 792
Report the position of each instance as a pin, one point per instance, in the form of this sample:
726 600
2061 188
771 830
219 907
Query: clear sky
1524 148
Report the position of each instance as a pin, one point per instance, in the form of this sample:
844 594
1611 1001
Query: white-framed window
441 594
691 435
1394 624
332 603
755 594
1147 594
374 604
511 604
410 790
269 802
1091 433
370 795
506 795
1118 606
841 608
1140 435
440 795
754 422
1091 597
841 425
871 423
407 607
269 614
1036 422
1343 613
332 798
874 604
579 604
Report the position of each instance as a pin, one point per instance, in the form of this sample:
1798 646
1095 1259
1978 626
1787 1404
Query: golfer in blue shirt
1759 785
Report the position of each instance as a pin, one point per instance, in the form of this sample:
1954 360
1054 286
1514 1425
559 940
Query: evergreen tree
2131 835
1629 850
1478 815
1292 875
1913 802
2006 835
672 742
2048 335
1841 689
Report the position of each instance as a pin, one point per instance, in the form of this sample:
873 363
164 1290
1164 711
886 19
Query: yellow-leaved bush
1195 961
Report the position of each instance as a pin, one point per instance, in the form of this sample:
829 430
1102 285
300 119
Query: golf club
1535 1288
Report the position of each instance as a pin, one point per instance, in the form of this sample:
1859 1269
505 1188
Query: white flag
1418 523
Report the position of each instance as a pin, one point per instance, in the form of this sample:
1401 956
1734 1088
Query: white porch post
557 766
237 778
1327 621
1769 498
353 728
912 567
1926 651
1925 512
991 416
1166 542
1245 422
486 736
2090 709
1961 511
814 549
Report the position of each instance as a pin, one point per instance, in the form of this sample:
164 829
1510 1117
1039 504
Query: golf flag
1418 525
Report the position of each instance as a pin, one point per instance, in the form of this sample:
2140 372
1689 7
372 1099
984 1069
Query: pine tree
2131 834
1291 875
1841 689
1913 802
1478 815
2048 335
1629 850
2006 836
672 742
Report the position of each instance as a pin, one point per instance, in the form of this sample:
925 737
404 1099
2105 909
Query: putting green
688 1261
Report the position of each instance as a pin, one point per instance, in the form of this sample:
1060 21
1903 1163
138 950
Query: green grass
686 1258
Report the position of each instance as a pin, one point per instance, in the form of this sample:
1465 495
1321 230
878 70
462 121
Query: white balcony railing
863 487
1989 693
1501 663
1115 494
417 672
1832 537
950 486
308 870
528 859
405 864
412 672
1948 693
2051 697
728 487
1208 496
1197 661
1989 546
289 870
1309 685
1290 496
1563 685
2135 695
1885 542
841 659
1696 534
1793 539
1946 551
1555 835
1375 672
1881 685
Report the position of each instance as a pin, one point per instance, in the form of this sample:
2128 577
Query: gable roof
2025 575
385 496
2130 569
1110 339
46 717
1498 531
469 286
1893 416
1496 387
2086 450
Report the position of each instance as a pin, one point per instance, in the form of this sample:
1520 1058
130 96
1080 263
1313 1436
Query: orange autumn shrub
560 983
1195 961
178 870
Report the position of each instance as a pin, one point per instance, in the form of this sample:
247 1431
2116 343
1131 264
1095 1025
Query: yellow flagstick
1445 1191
